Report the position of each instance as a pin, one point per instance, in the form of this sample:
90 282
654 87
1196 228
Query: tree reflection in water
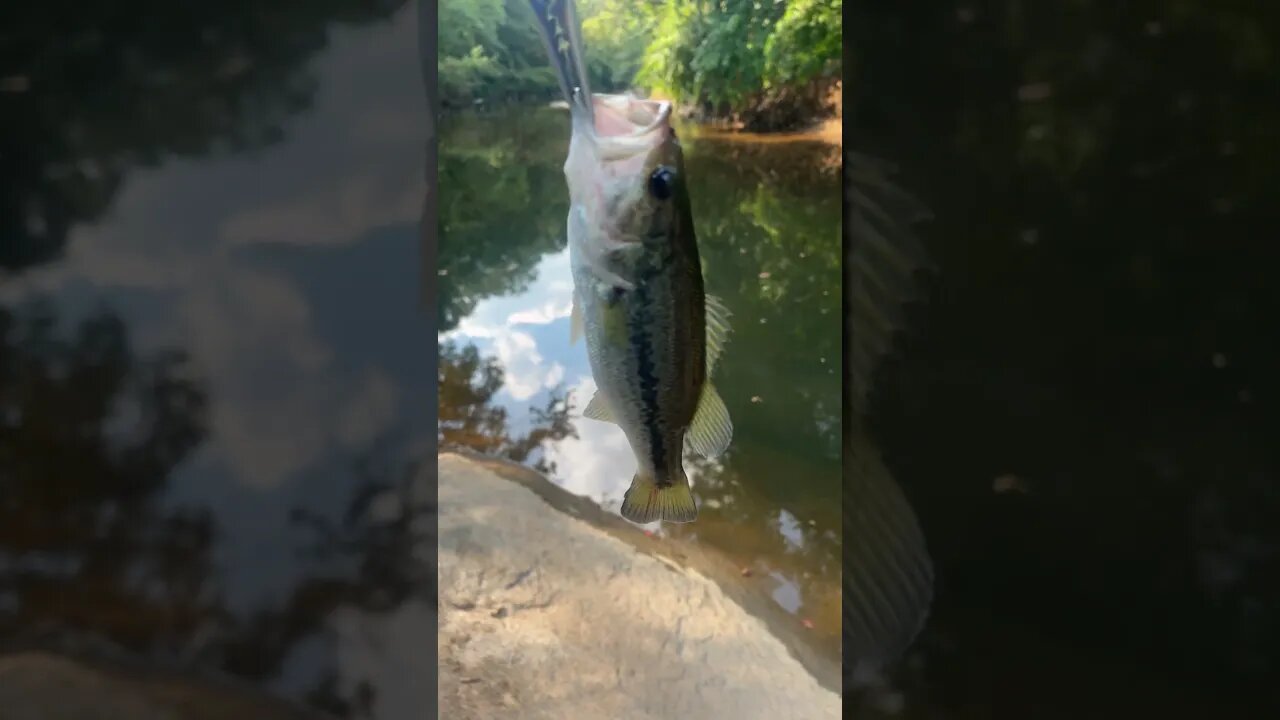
469 419
90 437
90 96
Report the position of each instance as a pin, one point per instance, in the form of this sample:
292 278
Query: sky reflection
287 275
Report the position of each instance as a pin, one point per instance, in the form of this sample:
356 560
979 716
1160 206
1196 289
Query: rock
592 628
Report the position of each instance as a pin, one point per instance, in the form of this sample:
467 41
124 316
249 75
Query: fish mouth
622 116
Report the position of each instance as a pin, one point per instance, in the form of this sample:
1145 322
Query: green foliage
617 34
490 50
468 25
805 44
744 56
459 75
712 55
731 55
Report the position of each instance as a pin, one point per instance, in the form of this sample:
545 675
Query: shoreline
827 129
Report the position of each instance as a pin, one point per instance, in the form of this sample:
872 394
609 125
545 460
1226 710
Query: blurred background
213 404
1083 401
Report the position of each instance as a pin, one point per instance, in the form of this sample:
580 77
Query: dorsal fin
717 330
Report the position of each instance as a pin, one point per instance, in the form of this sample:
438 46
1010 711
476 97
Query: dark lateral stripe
647 375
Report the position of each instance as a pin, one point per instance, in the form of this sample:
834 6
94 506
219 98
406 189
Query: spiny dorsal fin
711 430
884 257
598 409
717 330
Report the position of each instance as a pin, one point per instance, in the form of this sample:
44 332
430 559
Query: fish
653 335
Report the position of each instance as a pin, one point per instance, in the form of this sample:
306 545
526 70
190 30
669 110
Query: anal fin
711 431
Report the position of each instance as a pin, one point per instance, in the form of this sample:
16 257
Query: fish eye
662 182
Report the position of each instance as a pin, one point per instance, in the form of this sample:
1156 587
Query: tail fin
646 501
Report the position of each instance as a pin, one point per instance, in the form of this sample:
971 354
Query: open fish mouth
622 116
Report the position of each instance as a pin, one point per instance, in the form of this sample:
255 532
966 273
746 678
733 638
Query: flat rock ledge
543 615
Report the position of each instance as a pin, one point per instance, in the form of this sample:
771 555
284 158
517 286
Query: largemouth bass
652 333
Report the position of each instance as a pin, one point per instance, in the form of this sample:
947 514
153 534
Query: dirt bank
546 615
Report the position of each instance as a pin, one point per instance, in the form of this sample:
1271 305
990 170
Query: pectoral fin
598 409
711 430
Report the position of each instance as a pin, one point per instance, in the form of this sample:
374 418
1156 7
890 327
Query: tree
770 63
89 437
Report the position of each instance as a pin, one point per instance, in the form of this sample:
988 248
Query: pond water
767 215
213 394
